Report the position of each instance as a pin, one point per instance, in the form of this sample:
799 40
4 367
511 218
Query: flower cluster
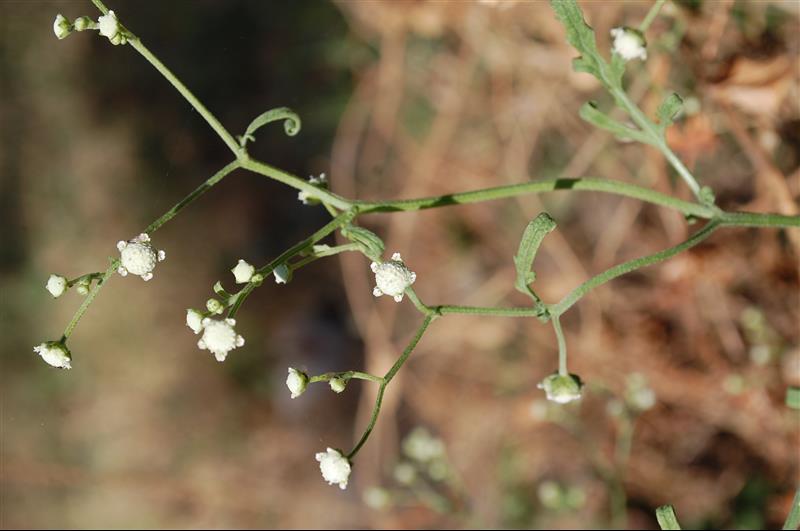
219 336
138 257
629 43
392 278
307 198
335 467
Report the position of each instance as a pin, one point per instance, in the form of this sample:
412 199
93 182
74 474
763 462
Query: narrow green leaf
598 118
528 247
291 123
580 35
793 519
793 397
666 517
371 243
669 110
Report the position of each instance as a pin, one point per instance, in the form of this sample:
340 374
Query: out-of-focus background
687 362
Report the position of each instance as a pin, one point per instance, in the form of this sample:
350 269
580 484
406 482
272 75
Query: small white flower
282 274
335 467
219 337
629 43
337 384
562 389
421 446
194 320
138 257
296 381
56 285
307 198
108 25
55 354
392 278
243 272
61 26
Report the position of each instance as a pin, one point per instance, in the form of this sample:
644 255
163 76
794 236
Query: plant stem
335 223
346 375
564 304
89 298
186 201
651 15
286 178
215 124
587 184
562 347
376 409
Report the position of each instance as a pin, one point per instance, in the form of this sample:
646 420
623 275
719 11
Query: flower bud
83 23
214 306
56 285
282 274
562 389
61 26
337 384
296 381
243 272
194 320
55 354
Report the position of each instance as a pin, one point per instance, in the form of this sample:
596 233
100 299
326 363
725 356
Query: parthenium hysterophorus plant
216 323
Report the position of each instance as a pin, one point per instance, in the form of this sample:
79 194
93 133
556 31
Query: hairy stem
112 268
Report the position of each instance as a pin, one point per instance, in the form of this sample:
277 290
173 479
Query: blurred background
687 362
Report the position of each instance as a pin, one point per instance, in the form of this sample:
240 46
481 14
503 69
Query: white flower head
337 384
55 353
243 272
629 43
138 257
219 337
194 320
335 467
296 381
108 25
282 274
562 389
61 26
392 278
56 285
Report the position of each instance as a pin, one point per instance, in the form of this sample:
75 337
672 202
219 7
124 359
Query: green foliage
668 111
590 113
532 238
369 242
291 124
667 519
793 397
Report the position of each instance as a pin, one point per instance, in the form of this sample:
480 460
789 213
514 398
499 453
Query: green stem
186 201
288 179
89 298
376 409
562 347
564 304
346 375
793 518
651 15
587 184
215 124
335 223
489 311
753 219
322 254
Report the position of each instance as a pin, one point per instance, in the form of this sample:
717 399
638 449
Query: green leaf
528 247
372 245
581 36
793 519
668 111
793 397
598 118
666 517
291 124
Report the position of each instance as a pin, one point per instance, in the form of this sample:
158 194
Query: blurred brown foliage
398 99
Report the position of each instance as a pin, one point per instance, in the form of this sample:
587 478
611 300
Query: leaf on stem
667 519
793 397
371 244
532 238
581 36
291 123
793 519
590 113
668 111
